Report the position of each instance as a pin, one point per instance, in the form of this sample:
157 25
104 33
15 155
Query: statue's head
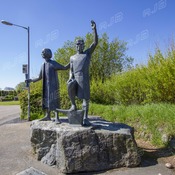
46 53
80 45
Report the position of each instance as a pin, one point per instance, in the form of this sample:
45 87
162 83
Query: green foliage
150 121
64 98
104 93
4 93
20 87
7 95
107 59
8 98
35 101
151 83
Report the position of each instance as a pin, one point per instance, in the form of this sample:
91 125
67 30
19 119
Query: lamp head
6 23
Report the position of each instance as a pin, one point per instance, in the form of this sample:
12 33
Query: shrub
103 92
35 101
151 83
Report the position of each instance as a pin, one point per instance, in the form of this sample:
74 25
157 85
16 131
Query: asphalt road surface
9 114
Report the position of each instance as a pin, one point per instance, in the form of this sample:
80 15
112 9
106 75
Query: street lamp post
28 67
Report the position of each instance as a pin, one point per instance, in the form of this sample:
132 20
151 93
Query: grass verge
152 122
9 103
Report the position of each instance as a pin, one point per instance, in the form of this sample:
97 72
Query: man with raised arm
78 84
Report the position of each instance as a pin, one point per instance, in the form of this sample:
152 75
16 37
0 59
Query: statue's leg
86 109
47 116
57 120
72 87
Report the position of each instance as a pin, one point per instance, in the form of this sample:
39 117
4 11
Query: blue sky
142 23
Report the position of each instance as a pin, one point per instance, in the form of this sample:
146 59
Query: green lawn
9 103
151 121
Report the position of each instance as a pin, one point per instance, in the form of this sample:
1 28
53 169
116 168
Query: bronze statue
78 83
50 84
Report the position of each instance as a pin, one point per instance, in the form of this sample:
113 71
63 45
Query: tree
107 59
20 87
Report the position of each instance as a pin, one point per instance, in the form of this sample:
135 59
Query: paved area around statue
16 154
9 114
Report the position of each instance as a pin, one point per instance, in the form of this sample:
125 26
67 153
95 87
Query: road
9 114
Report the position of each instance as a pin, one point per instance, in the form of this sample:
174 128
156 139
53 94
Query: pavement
9 114
16 154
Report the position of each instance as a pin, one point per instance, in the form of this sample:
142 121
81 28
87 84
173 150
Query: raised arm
95 42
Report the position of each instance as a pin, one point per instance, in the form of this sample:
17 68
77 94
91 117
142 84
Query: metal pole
28 75
28 114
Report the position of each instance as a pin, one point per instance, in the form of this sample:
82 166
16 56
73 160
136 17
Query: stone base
102 146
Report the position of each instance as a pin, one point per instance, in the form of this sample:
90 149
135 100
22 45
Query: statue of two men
78 83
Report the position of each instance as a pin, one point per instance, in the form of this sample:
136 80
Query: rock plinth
102 146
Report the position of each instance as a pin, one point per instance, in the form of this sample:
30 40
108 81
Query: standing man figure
78 84
50 84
